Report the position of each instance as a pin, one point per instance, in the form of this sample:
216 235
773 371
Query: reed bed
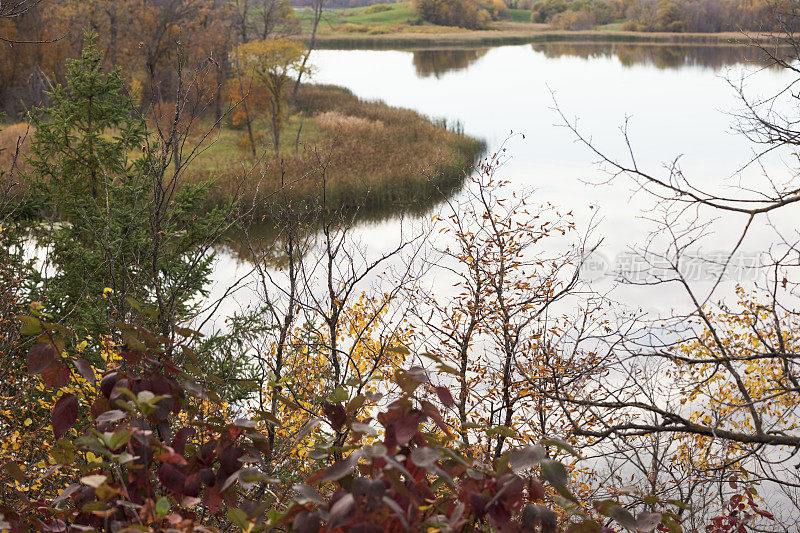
378 158
15 140
509 33
11 137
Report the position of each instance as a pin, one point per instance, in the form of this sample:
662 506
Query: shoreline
410 40
387 160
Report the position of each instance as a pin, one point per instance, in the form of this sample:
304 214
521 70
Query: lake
677 100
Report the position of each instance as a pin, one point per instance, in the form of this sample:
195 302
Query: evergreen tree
114 236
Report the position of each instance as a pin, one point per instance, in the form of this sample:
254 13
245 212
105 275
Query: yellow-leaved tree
271 64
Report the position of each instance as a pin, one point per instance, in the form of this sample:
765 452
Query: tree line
668 15
148 37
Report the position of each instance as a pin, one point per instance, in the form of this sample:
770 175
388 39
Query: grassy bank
464 38
382 159
399 26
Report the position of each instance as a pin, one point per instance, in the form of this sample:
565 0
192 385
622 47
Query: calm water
678 100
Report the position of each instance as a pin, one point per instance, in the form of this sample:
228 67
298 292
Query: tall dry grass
380 158
11 137
15 141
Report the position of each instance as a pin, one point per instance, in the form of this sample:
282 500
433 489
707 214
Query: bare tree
721 375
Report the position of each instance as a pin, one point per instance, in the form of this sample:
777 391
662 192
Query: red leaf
40 356
406 427
179 441
172 478
433 413
341 509
335 414
445 397
65 413
229 459
212 500
192 485
56 375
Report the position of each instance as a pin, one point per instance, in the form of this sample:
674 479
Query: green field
380 14
519 15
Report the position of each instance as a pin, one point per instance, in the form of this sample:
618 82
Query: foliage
575 14
272 63
573 20
470 14
711 15
111 236
146 444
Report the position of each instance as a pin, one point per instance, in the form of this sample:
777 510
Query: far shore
517 33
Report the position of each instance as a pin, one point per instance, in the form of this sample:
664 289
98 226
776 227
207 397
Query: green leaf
561 445
525 458
587 526
118 439
447 369
30 325
399 349
94 481
162 506
239 518
556 474
505 431
339 395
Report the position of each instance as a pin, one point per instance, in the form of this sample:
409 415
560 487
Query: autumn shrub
497 8
349 27
575 14
573 20
470 14
146 443
377 8
544 10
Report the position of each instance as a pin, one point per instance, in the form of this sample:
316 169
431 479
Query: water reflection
264 239
438 62
657 55
435 63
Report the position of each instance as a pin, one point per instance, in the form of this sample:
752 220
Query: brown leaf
56 375
40 356
65 413
85 370
15 472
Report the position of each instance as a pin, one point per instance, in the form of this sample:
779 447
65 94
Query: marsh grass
399 13
380 159
10 135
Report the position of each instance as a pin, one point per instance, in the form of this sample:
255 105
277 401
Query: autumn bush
470 14
573 20
576 14
144 442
